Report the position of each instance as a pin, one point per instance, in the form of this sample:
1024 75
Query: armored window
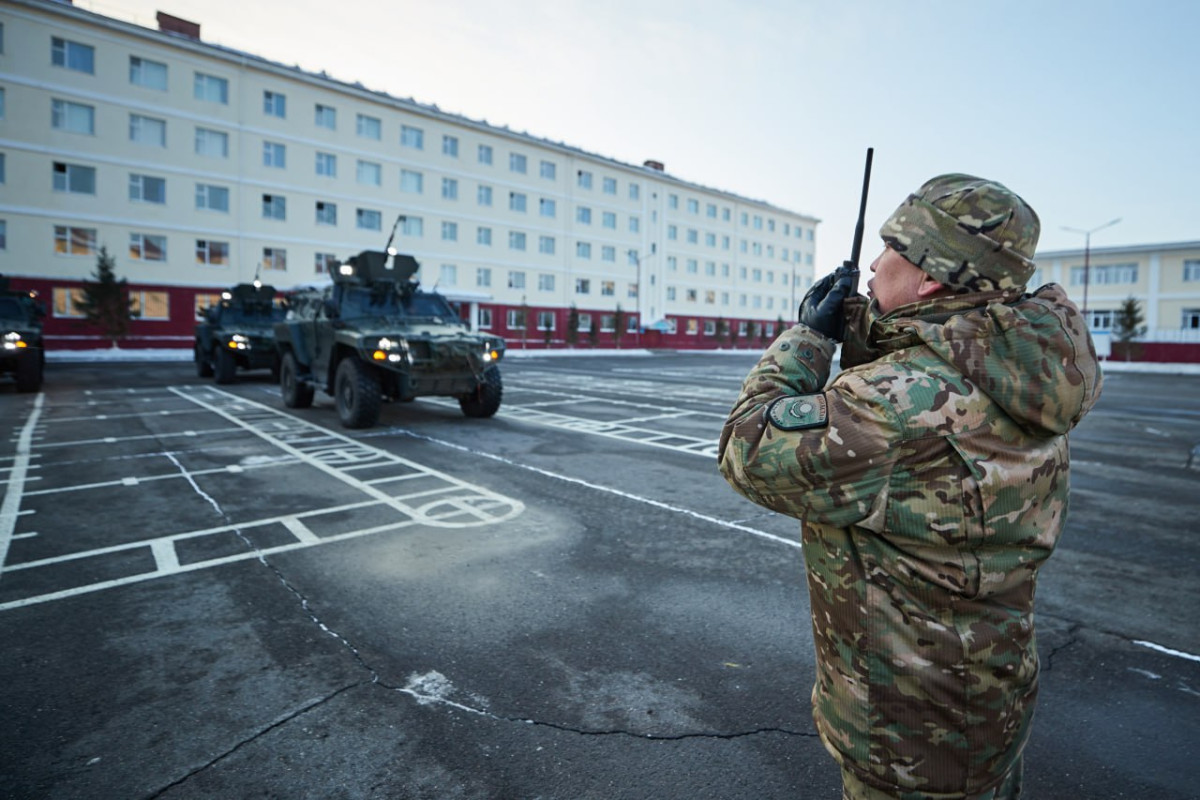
72 117
147 73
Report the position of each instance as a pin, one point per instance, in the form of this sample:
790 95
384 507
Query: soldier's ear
928 287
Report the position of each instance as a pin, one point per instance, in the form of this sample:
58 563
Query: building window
634 191
583 250
72 117
212 144
144 247
585 323
147 73
547 208
147 189
274 206
1191 270
546 245
274 104
212 198
1191 319
609 185
517 163
693 236
671 293
211 89
411 181
1100 319
447 275
692 266
485 318
147 130
584 179
608 253
483 195
450 231
583 286
516 202
545 320
74 178
483 276
325 117
583 215
516 240
212 253
3 234
65 302
413 226
634 225
450 146
149 305
608 288
274 155
545 282
483 236
327 165
449 189
412 137
73 241
515 319
274 258
690 295
324 263
368 220
326 213
485 154
608 323
672 232
368 127
548 170
368 173
1105 275
608 219
516 279
72 55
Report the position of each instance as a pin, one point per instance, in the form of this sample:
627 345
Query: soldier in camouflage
931 476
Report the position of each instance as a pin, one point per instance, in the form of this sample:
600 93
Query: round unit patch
798 413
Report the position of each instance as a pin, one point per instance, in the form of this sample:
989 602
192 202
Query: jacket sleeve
833 471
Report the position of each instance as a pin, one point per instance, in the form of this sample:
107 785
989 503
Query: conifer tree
572 326
1127 325
106 302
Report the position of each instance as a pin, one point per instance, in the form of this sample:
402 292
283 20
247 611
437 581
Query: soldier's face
896 281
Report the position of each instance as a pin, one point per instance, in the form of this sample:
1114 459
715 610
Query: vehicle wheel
485 400
357 393
275 368
226 363
203 365
29 373
296 393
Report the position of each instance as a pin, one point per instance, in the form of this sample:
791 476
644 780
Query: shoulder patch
798 413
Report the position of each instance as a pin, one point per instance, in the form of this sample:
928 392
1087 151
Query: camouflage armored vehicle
22 354
238 333
374 335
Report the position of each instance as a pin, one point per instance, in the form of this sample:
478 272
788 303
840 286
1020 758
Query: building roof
1119 250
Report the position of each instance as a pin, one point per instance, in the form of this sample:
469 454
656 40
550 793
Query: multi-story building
199 167
1163 278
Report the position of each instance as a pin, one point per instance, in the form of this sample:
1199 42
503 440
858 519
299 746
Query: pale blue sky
1088 109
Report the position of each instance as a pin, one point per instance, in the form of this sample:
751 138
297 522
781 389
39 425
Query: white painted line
1167 650
11 506
165 558
301 531
80 487
155 436
129 481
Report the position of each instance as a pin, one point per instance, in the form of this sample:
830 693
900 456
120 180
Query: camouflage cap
971 234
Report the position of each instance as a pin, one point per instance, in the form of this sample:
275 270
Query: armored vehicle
238 332
374 335
22 353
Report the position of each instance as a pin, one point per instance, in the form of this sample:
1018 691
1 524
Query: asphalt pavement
204 594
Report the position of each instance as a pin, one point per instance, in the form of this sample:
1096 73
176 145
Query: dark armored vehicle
22 354
239 333
374 335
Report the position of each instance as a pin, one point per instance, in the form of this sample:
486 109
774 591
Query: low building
199 167
1163 278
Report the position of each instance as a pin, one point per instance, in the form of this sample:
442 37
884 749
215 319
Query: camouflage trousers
1008 789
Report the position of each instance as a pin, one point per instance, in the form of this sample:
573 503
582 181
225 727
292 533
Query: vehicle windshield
252 315
387 303
12 309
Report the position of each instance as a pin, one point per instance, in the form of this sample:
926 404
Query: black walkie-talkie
851 264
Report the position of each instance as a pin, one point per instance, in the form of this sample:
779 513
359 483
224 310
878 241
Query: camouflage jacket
931 476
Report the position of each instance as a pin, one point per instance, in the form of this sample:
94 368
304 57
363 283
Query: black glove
821 308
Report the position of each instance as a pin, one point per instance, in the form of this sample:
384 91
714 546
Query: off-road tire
226 363
29 373
204 367
485 400
357 394
296 393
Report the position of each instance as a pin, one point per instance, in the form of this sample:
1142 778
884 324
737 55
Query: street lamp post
1087 252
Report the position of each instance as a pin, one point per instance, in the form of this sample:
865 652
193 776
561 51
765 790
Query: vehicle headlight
239 342
13 341
391 350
